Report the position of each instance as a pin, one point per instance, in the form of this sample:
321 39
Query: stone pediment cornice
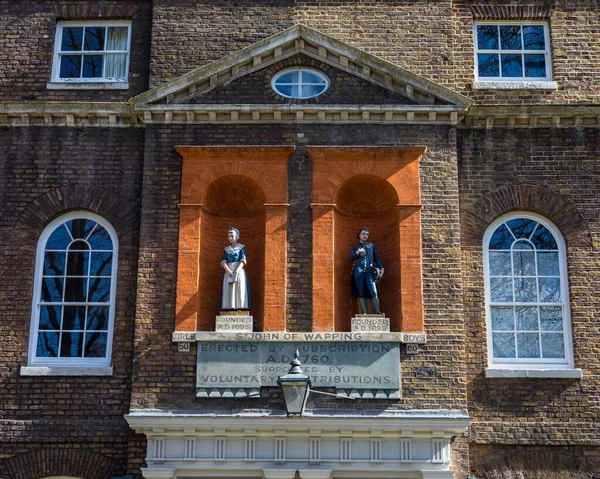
125 115
300 39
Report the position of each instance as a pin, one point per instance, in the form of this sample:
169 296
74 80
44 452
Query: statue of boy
235 291
367 271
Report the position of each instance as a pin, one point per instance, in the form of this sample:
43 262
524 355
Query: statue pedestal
375 323
238 321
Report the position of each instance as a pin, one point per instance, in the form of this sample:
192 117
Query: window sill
515 85
533 373
87 85
65 371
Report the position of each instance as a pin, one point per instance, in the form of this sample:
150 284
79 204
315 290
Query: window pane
47 346
500 263
100 239
547 263
75 290
97 318
524 263
503 345
510 37
501 290
77 264
71 39
549 290
80 228
59 239
501 239
553 345
289 77
528 345
487 37
50 317
52 289
289 90
92 66
488 65
70 66
71 345
551 318
94 38
503 318
533 37
54 263
522 227
99 290
312 90
117 38
74 318
511 66
535 66
311 77
95 345
101 264
543 239
527 318
115 66
525 290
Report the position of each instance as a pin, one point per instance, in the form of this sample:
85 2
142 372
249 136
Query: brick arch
61 200
536 199
366 195
204 165
41 463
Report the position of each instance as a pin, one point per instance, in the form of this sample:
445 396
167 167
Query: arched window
74 292
527 294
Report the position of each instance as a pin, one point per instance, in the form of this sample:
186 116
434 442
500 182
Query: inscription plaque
341 365
235 323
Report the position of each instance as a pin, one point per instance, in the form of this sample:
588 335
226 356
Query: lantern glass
295 392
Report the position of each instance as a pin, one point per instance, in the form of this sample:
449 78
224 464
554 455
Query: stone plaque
234 323
370 323
365 368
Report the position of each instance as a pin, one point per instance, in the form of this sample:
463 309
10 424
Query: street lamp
295 386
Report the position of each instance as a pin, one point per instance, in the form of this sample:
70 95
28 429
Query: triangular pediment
406 90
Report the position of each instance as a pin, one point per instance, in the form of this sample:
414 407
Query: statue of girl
367 270
235 292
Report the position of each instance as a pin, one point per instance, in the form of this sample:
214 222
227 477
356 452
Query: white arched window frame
82 313
527 311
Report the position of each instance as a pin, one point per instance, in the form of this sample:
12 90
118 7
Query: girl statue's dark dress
363 283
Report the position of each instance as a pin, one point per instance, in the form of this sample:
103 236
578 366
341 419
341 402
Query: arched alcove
379 188
221 187
231 201
366 201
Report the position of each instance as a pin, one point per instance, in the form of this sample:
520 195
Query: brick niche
378 188
244 187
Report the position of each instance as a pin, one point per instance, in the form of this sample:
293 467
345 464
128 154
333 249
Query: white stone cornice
331 422
72 114
301 113
316 446
532 116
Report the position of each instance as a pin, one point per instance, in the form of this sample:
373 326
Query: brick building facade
473 160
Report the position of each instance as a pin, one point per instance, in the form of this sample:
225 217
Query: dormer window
300 83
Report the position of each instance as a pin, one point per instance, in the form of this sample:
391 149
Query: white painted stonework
323 445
